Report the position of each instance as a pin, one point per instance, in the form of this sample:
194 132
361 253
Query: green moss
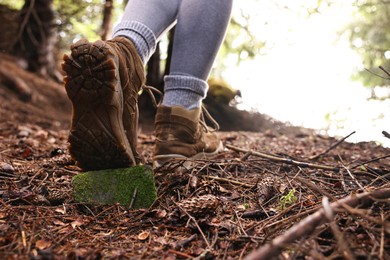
116 186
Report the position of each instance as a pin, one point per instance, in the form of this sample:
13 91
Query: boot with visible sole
180 134
102 81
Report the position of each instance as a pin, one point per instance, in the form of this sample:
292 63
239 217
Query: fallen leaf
76 223
60 210
161 213
282 188
107 234
65 230
42 244
241 207
58 222
143 235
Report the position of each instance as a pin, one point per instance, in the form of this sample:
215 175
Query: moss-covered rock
116 186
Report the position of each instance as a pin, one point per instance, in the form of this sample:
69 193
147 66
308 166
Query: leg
144 21
103 79
180 132
200 30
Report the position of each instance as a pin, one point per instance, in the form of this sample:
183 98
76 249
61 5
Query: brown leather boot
102 81
182 133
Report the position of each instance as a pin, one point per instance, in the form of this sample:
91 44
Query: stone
107 187
7 168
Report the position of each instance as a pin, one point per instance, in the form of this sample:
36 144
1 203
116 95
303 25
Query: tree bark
36 38
107 19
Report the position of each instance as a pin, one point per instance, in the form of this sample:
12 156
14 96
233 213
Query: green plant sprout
288 199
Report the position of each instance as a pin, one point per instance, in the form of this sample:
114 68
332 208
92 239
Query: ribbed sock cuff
143 38
185 91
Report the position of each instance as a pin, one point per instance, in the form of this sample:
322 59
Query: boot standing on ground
103 79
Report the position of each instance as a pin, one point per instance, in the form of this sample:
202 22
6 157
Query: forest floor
267 195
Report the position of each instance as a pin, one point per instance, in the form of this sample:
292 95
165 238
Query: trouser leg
200 30
144 21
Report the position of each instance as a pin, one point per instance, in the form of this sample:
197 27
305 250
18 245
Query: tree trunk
36 38
154 77
107 19
171 35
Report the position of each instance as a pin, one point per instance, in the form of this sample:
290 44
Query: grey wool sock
143 38
184 90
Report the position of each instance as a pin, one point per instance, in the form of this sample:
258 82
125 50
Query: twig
90 211
354 179
228 180
239 223
246 156
133 198
384 70
284 160
370 161
363 214
196 224
243 251
307 225
314 187
259 213
242 159
381 247
342 244
386 134
180 254
184 242
331 147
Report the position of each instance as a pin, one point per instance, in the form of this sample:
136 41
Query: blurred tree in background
369 35
93 19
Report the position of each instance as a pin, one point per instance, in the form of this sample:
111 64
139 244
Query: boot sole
97 137
160 160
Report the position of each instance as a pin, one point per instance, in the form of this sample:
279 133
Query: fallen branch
331 147
343 247
307 225
284 160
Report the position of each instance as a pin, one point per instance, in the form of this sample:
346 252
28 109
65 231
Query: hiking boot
102 81
181 134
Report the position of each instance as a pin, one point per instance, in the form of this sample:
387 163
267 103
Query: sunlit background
297 64
304 77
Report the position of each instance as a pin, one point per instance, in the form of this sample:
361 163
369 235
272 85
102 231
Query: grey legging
200 29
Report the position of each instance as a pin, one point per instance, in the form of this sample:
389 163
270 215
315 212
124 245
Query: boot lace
203 115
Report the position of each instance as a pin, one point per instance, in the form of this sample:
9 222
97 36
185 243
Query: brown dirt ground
237 202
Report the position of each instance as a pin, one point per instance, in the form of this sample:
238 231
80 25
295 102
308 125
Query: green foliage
78 19
370 36
287 200
75 19
240 43
14 4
